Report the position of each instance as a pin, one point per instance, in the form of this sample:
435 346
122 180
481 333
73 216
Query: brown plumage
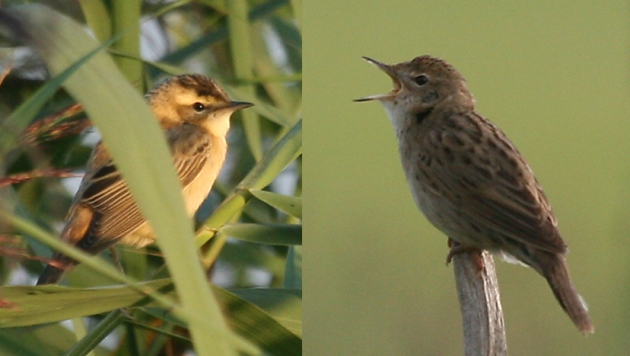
469 179
195 114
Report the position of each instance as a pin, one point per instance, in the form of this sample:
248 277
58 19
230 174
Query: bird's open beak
391 71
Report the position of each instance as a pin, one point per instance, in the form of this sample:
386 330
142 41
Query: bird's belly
197 191
194 194
446 215
429 204
141 237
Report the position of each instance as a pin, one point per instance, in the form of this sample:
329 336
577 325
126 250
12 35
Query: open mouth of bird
392 74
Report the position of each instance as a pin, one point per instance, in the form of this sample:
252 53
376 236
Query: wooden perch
480 304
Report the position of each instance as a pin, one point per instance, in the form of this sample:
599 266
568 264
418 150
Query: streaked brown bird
469 179
195 114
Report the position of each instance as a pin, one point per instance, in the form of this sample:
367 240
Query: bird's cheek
430 97
183 112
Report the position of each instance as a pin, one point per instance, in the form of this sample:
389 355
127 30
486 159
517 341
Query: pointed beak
237 105
389 70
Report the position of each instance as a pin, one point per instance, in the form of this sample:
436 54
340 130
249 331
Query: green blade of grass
278 311
293 268
285 151
286 204
241 49
269 234
126 23
97 334
97 18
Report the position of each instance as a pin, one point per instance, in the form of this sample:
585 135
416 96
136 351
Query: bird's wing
104 192
484 175
191 148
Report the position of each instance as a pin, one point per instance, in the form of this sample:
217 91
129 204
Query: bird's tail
557 275
54 272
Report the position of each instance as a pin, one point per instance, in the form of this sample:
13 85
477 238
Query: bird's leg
119 266
116 260
456 248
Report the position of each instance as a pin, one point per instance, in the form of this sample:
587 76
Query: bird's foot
456 248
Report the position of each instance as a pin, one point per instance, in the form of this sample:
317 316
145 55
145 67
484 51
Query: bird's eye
421 79
198 107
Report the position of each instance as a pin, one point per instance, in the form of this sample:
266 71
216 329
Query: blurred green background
554 76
